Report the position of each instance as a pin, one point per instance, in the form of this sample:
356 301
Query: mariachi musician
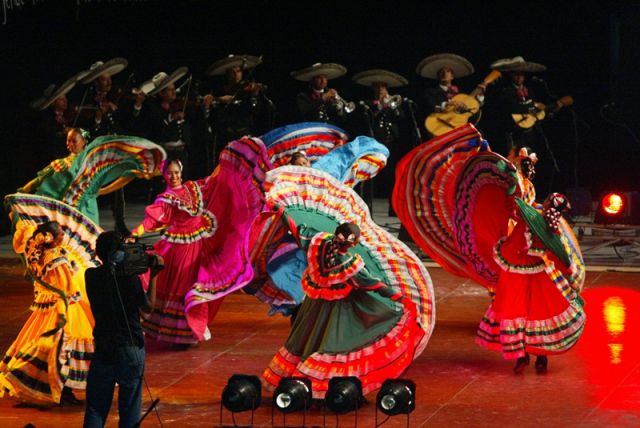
99 114
243 107
444 68
385 112
523 111
319 103
99 108
521 100
165 115
55 119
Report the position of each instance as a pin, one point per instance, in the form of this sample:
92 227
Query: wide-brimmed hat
329 69
389 78
54 91
162 80
221 66
111 67
430 66
517 64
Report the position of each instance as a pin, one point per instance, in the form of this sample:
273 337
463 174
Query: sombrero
111 67
162 80
221 66
391 79
54 91
331 70
517 64
430 66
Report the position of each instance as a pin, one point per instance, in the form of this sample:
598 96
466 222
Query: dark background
590 49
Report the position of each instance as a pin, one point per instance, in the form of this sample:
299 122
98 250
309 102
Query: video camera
133 259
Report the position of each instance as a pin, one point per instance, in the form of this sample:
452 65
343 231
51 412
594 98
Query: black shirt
109 312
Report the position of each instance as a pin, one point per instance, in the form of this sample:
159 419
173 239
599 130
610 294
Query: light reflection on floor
610 345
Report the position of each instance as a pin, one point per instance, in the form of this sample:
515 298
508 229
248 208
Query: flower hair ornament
554 205
84 133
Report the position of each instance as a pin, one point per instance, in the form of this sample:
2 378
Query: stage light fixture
292 394
619 208
242 392
397 396
344 394
613 203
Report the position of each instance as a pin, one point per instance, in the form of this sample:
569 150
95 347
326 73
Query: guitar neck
477 91
495 74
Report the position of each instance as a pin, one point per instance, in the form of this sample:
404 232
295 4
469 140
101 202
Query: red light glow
613 203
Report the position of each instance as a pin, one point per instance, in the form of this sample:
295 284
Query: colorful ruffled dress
204 243
105 165
457 200
43 359
368 313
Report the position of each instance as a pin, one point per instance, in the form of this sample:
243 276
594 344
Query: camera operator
116 300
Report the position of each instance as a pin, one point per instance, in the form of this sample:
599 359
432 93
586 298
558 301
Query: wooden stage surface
596 384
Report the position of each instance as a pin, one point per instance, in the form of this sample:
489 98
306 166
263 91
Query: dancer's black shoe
68 399
541 364
521 363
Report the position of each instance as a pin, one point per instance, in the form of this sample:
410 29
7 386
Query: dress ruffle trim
385 358
514 337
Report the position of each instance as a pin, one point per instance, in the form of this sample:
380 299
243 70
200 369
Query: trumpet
391 101
342 104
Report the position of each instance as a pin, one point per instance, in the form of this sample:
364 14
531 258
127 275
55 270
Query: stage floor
596 384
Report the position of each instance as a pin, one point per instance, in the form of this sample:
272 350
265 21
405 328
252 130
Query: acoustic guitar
458 112
527 120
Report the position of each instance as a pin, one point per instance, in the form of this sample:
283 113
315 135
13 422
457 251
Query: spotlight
241 393
619 208
396 396
292 394
613 203
344 394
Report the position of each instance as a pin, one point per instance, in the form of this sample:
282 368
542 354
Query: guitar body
444 121
527 120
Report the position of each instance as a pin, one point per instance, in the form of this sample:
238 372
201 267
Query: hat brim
330 70
389 78
430 66
524 67
221 66
111 67
172 78
44 102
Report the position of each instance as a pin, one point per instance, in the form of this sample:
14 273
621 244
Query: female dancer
535 309
203 244
458 199
106 164
369 307
52 352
